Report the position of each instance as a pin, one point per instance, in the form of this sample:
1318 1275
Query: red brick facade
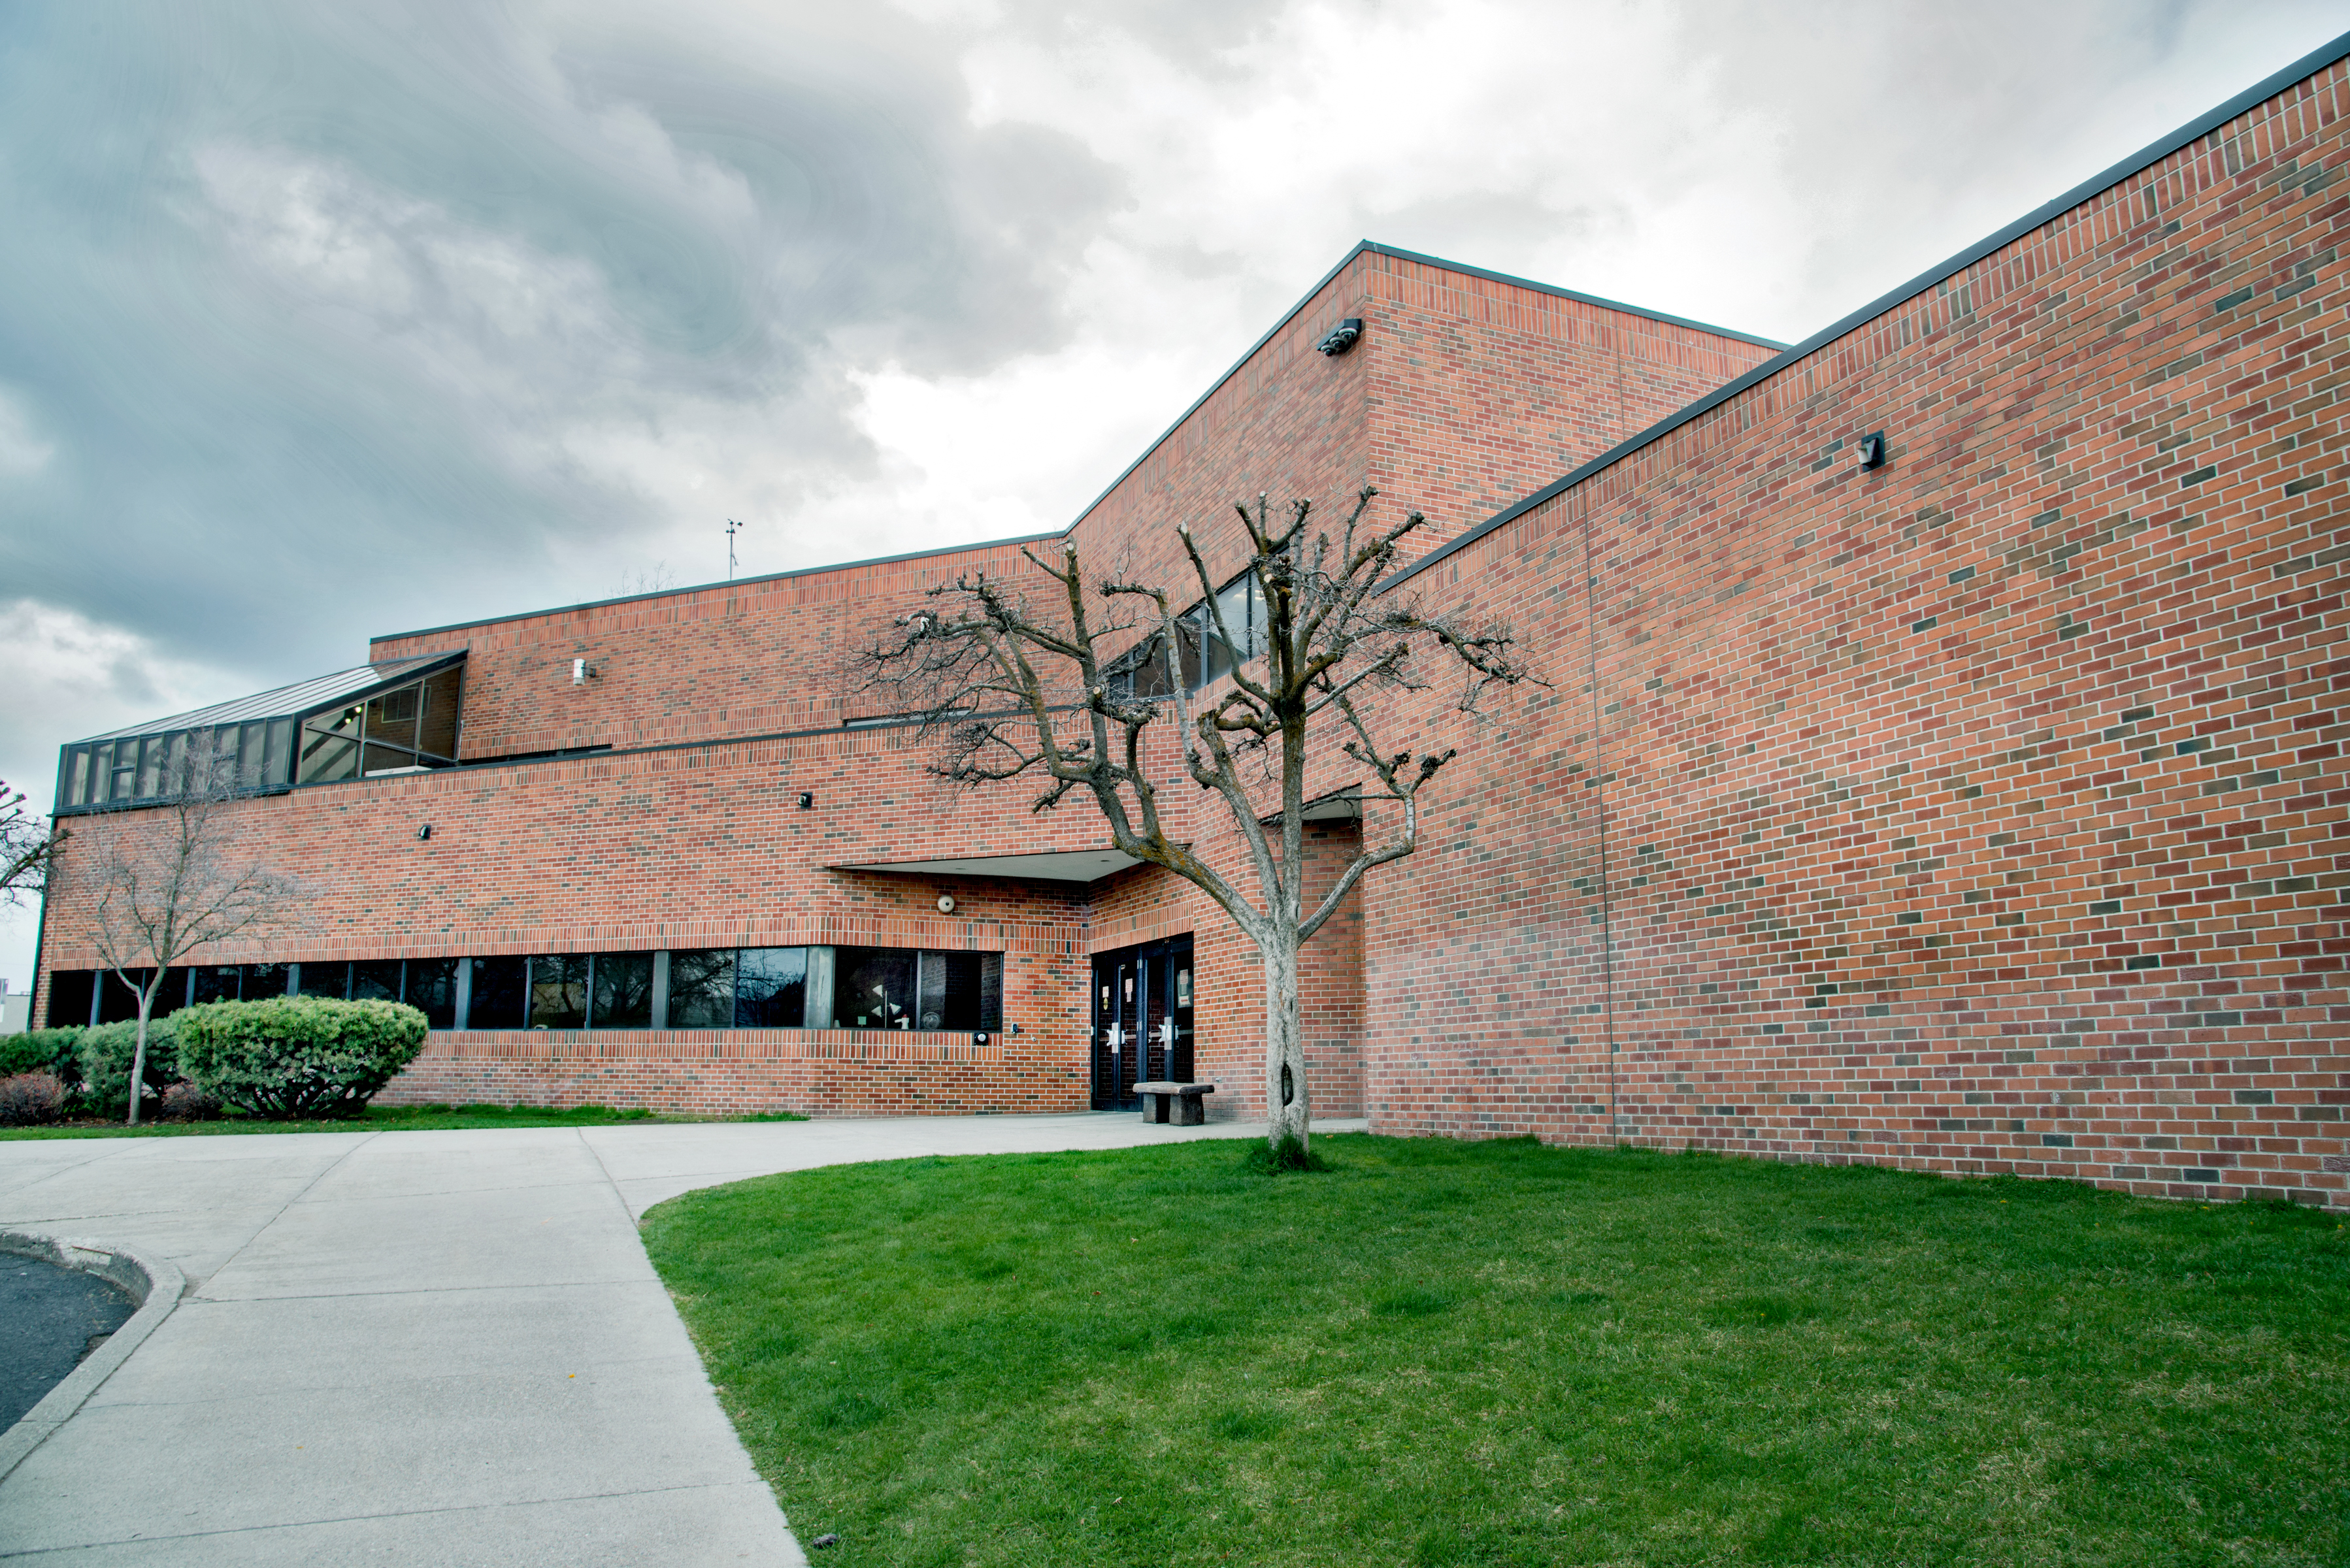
1978 812
1984 812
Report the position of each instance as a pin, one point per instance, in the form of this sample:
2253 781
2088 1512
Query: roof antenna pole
731 527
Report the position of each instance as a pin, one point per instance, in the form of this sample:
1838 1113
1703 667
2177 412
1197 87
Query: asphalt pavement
50 1318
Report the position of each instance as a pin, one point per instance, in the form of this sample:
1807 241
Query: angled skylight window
397 716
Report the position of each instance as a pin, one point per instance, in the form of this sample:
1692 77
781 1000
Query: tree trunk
139 1055
1286 1104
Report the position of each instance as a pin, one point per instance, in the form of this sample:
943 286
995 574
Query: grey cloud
1910 130
330 320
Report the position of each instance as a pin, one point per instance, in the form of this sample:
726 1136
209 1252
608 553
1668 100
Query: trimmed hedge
106 1052
56 1052
294 1057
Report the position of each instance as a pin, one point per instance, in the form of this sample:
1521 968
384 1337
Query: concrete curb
154 1285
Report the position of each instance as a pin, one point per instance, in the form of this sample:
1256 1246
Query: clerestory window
390 718
1145 671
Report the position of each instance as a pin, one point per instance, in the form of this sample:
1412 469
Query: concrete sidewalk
424 1347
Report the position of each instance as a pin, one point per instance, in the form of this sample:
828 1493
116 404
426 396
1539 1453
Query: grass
1500 1354
383 1118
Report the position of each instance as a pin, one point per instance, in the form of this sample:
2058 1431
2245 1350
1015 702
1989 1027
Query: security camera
1342 337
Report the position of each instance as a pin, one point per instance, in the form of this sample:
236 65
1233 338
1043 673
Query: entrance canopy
1059 866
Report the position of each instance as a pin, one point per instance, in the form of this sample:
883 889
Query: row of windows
709 988
161 767
1143 670
408 727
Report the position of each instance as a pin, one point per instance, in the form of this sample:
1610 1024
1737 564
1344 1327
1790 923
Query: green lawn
1497 1353
383 1118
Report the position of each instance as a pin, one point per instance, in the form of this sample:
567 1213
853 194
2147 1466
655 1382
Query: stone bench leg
1154 1108
1191 1110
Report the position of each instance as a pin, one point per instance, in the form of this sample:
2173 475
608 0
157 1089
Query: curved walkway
423 1347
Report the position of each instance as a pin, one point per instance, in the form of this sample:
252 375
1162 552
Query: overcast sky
323 319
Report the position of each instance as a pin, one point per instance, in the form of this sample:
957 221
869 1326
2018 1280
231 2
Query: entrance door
1142 1020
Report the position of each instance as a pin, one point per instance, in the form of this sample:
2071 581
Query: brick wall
740 1072
1984 812
1483 390
722 704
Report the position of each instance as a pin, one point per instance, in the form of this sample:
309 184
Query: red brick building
1938 763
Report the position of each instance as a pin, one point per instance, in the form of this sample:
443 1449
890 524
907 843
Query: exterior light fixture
1870 452
946 903
580 670
808 801
424 831
1341 338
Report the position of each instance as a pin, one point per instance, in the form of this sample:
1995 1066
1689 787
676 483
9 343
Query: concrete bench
1176 1103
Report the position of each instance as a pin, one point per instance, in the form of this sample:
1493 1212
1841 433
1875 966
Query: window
217 983
500 986
558 991
115 1002
717 988
1142 670
238 981
396 732
330 746
331 981
873 989
955 991
1243 609
770 987
376 981
892 987
431 989
623 991
321 729
702 989
72 994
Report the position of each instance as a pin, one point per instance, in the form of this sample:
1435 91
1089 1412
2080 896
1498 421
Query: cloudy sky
326 318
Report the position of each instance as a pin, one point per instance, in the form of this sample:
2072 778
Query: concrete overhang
1347 806
1054 866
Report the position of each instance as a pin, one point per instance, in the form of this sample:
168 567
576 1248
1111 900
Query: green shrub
106 1052
56 1052
294 1057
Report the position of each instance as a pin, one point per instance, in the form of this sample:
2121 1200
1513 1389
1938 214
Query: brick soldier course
1979 810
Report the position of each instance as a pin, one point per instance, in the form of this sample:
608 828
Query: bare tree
656 579
28 844
168 881
1070 693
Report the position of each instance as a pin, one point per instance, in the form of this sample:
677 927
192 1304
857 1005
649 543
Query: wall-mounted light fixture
1341 338
580 670
946 903
808 801
425 831
1870 452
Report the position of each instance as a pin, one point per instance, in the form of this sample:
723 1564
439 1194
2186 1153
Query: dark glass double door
1142 1020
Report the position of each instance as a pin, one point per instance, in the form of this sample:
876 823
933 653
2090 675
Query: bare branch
27 844
1100 694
